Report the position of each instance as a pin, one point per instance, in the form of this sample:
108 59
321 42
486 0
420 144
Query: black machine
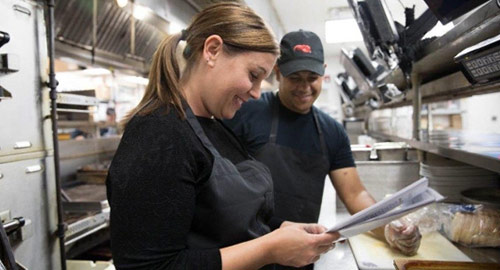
448 10
387 40
4 38
368 88
401 45
481 63
393 45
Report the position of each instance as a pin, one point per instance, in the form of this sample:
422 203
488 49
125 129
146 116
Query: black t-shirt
252 125
152 186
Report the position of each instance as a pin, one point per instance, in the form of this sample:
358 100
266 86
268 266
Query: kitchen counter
341 257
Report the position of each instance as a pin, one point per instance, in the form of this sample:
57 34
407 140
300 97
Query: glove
403 237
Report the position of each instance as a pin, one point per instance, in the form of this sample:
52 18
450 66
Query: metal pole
417 105
430 123
53 115
132 30
94 29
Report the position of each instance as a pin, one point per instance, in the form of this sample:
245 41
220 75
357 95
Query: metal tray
489 197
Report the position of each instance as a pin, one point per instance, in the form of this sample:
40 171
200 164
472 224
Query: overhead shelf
452 86
477 149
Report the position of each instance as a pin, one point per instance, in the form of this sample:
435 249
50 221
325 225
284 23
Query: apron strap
275 121
320 133
198 130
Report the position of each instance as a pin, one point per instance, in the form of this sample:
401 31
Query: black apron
235 203
298 177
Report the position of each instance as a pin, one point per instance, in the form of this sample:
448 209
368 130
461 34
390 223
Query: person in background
301 144
184 193
110 124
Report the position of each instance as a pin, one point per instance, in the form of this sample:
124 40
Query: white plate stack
450 180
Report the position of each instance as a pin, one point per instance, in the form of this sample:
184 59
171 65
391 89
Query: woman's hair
239 27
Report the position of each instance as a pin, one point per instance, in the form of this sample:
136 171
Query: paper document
399 204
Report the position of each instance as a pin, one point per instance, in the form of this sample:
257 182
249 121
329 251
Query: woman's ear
212 49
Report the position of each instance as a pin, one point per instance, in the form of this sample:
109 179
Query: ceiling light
140 12
122 3
135 80
341 31
174 27
96 71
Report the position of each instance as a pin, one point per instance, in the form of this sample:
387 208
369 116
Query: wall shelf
480 150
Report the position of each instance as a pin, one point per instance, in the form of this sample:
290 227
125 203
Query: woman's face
233 80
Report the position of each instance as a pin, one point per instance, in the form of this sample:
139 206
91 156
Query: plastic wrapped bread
480 228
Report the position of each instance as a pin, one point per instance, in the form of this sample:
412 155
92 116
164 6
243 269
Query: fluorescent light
135 80
174 27
96 71
140 12
122 3
340 31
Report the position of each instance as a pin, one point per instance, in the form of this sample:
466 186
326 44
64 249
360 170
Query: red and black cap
301 50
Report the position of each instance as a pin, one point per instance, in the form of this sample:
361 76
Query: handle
22 145
34 168
22 9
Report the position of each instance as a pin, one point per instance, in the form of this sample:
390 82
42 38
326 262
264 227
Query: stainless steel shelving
481 150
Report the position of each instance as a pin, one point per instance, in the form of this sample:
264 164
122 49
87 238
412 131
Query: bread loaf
480 229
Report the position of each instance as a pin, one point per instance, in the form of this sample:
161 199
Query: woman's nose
255 92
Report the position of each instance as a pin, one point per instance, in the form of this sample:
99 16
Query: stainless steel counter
340 257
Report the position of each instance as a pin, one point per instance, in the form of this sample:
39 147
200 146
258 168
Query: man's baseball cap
301 50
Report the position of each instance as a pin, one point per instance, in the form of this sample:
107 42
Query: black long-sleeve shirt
152 186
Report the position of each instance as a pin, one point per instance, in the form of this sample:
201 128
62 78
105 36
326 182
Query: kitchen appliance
4 38
489 197
481 63
448 10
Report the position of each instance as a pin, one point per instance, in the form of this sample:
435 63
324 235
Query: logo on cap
302 48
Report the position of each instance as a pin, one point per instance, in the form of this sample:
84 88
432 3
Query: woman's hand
403 237
299 244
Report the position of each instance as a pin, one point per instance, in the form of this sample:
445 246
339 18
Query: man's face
299 90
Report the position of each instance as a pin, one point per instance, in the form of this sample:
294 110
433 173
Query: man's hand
403 237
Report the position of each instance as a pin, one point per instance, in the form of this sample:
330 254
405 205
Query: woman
184 193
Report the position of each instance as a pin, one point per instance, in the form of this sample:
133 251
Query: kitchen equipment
404 264
480 63
374 254
451 179
4 38
94 173
489 197
383 151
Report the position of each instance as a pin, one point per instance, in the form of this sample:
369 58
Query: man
301 144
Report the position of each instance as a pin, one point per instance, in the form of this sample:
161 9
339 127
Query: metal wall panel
27 185
30 195
20 116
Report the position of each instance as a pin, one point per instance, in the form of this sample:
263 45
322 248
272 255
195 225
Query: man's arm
353 193
405 238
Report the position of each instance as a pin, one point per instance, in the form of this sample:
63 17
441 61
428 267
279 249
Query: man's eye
253 76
